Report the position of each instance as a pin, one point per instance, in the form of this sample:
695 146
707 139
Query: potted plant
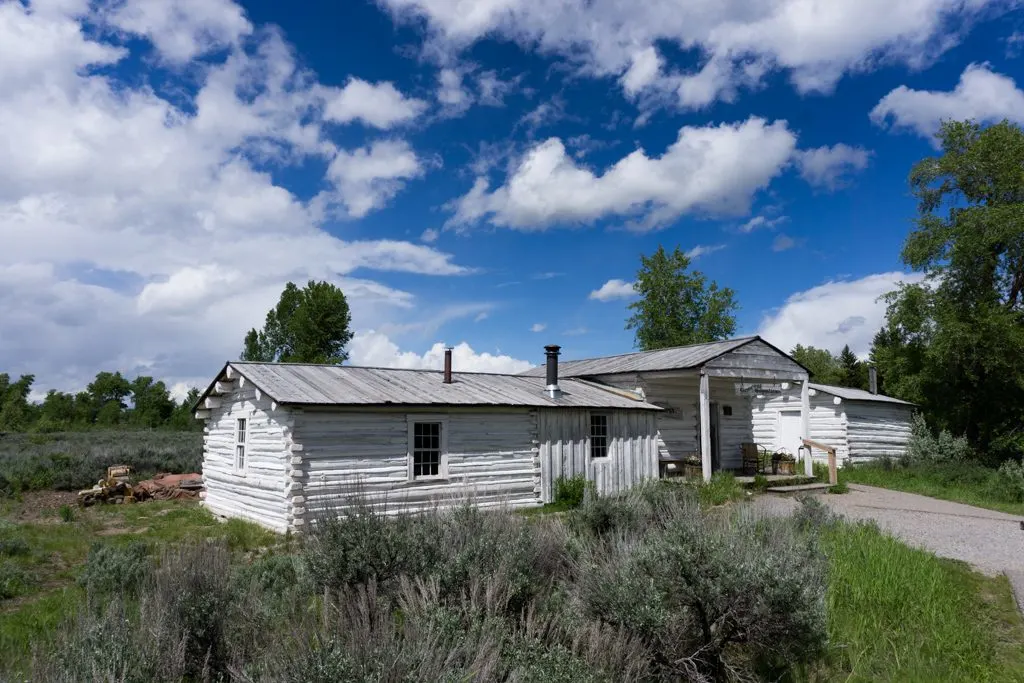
783 463
692 467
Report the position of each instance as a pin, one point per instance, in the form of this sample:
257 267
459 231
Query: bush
839 488
924 446
115 569
1011 476
66 513
77 460
741 596
569 493
722 488
812 514
13 580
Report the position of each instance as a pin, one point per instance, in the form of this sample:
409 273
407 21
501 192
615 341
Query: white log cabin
718 396
286 443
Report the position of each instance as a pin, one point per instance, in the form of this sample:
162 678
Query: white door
789 433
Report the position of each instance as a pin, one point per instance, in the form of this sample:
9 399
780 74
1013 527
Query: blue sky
483 174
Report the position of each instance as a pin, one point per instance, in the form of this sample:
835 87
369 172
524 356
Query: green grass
722 489
49 552
968 483
897 613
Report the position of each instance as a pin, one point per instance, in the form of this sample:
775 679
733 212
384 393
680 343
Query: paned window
598 436
426 449
240 443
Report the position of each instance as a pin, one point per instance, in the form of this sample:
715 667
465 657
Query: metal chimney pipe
448 365
551 351
872 379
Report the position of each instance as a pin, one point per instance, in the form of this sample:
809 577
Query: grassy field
961 482
891 612
76 460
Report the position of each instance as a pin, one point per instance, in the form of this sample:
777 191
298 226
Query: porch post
805 418
705 426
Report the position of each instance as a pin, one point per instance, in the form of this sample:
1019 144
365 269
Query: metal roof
303 384
676 358
848 394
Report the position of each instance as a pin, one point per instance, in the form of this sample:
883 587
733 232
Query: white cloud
182 29
380 105
758 222
452 93
816 42
712 170
613 289
482 315
704 250
493 90
783 242
576 331
145 233
538 327
829 167
644 68
371 348
833 314
368 177
430 235
981 95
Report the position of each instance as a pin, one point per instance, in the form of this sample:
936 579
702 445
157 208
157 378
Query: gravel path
991 541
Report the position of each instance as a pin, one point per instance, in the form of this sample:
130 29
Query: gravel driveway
991 541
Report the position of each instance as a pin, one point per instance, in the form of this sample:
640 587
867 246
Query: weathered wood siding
877 429
735 429
828 421
565 449
492 458
755 360
259 491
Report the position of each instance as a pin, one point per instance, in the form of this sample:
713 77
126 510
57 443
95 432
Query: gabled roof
337 385
848 394
675 358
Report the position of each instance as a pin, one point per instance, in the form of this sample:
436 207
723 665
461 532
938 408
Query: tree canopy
842 370
953 342
678 306
308 325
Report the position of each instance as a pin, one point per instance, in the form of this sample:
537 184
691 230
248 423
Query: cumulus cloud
146 233
380 105
613 289
741 42
538 327
371 348
366 178
181 29
833 314
714 169
830 167
981 94
430 235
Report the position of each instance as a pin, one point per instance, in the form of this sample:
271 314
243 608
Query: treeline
842 370
110 400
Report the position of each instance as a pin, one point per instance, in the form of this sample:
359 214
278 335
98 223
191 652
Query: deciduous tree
308 325
678 306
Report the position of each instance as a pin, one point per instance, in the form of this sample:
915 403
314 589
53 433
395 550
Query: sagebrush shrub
115 569
1011 475
13 580
927 447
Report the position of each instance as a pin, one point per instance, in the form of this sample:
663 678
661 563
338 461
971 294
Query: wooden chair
751 458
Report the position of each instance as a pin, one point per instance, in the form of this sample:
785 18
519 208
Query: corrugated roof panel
676 358
348 385
849 394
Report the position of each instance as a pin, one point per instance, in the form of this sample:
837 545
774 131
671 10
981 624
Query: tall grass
76 460
964 482
897 613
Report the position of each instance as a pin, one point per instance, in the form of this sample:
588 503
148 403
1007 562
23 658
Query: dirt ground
39 506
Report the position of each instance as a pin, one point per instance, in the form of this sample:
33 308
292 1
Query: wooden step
800 488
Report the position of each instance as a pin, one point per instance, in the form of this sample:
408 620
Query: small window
598 436
426 449
727 411
240 444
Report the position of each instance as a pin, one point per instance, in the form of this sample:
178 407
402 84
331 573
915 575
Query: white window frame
242 425
442 468
607 436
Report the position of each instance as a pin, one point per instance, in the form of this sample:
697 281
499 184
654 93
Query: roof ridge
666 348
379 367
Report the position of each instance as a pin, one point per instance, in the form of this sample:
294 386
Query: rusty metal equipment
115 487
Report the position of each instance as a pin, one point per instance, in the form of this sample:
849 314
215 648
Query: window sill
424 481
